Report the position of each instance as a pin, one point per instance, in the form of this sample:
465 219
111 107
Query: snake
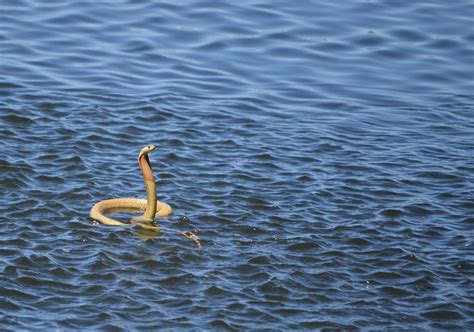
153 208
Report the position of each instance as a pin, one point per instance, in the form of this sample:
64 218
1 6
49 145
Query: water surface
323 151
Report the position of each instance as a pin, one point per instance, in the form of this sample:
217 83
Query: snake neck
150 186
150 210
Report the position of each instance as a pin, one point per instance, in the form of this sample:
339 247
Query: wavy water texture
322 150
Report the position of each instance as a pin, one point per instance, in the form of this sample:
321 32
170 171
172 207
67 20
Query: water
323 151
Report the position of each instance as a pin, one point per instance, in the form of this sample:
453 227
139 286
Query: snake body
151 205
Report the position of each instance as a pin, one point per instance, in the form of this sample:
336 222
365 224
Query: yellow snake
151 205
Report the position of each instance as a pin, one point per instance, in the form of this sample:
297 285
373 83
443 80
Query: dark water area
323 151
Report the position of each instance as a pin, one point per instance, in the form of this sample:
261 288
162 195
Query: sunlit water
322 150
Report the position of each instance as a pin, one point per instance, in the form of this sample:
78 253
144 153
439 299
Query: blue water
323 151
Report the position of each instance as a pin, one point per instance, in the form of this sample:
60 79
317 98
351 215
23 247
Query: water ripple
322 151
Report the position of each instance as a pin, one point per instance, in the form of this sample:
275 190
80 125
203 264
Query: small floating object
192 236
184 219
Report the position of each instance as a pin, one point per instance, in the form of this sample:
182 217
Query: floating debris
192 236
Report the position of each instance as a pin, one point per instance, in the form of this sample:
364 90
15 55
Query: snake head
147 149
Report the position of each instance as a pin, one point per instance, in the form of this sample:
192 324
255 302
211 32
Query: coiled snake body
152 206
